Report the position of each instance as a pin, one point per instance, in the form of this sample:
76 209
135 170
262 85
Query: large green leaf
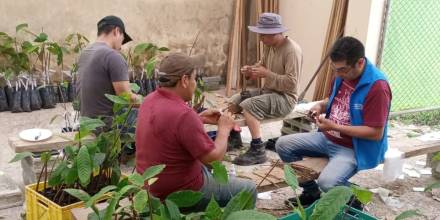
432 186
42 37
136 179
149 67
220 173
55 176
108 215
363 195
142 48
173 210
71 175
241 201
21 156
134 87
185 198
45 156
21 26
140 200
90 123
153 171
118 99
331 203
213 210
290 176
99 195
84 164
98 159
409 214
250 214
79 193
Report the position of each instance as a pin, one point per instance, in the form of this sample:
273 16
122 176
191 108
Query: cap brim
267 30
126 38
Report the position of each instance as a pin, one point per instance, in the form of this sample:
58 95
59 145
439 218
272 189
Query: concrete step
10 194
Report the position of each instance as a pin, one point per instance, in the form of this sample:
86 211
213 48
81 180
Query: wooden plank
232 51
420 149
56 142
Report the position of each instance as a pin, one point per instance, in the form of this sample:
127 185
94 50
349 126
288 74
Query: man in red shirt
352 133
170 132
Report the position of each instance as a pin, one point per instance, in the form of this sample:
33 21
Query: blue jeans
223 192
342 163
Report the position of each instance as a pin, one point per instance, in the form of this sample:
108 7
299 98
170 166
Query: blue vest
369 153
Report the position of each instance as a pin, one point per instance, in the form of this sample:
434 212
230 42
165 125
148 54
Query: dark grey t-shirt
99 66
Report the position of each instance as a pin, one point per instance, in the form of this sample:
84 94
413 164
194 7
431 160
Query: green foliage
363 195
213 210
220 173
142 59
241 201
432 186
186 198
140 200
290 177
78 193
153 171
331 203
21 156
409 214
84 165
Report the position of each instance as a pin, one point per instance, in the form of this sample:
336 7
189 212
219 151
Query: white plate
35 134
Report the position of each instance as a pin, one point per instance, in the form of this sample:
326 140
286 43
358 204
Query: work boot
234 140
255 155
310 194
270 144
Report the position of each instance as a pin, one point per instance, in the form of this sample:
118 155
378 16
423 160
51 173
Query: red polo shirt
171 133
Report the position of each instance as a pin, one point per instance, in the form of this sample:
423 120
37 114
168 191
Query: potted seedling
142 62
88 165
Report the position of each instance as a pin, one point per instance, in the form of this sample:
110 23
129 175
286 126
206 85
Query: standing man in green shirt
280 66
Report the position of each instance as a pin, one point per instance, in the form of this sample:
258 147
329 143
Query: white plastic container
393 165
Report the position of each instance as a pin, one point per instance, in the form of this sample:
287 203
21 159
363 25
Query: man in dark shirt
102 70
353 131
170 132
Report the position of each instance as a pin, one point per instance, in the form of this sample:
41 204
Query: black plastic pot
62 94
47 99
55 93
9 92
3 100
71 92
25 100
35 100
16 101
141 84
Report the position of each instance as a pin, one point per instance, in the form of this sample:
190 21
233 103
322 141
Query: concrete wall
170 23
307 21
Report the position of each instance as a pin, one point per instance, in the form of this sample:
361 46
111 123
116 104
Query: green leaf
98 159
408 214
78 193
21 26
220 173
163 49
136 179
70 151
363 195
128 189
71 175
243 200
142 48
55 176
331 203
290 176
173 210
99 195
116 174
90 123
108 215
118 99
250 214
153 171
42 37
213 210
122 183
149 67
432 186
185 198
21 156
45 157
140 200
134 87
84 164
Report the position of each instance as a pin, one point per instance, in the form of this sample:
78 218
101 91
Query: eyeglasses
344 69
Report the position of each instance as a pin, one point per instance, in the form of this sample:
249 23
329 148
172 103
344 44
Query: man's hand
226 122
259 71
210 116
324 123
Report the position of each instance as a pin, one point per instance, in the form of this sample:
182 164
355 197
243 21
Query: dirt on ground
402 193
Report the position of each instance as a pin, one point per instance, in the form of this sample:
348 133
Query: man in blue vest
352 122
